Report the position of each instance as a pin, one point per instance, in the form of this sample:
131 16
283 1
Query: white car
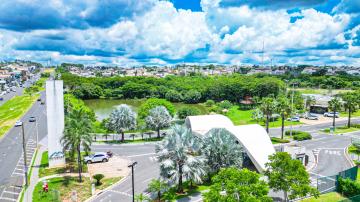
294 119
97 157
18 123
311 117
331 114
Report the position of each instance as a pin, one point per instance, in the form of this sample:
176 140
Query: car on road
32 119
311 117
39 99
18 123
97 157
331 114
294 119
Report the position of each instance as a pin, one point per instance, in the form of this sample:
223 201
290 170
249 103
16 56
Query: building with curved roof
254 139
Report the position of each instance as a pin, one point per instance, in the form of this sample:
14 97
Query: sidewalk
34 178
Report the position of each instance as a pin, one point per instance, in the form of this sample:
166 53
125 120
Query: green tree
98 178
192 96
221 150
184 112
334 105
173 96
288 175
77 133
157 187
178 154
283 107
158 118
151 103
267 107
350 104
309 101
121 119
233 184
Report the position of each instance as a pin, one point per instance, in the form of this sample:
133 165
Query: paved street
11 159
146 169
19 91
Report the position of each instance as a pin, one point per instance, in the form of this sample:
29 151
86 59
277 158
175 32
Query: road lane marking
148 154
7 199
10 192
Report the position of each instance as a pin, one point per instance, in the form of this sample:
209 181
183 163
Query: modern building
254 139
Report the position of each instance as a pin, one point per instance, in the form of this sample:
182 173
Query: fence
329 183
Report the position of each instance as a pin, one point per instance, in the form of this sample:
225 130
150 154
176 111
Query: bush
225 104
209 103
173 96
152 103
355 125
98 178
299 135
348 187
192 96
187 111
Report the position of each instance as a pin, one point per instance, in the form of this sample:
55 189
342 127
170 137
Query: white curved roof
254 138
203 123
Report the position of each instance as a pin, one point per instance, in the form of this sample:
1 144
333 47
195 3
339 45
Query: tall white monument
55 121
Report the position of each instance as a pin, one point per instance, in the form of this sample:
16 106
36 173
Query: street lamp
132 176
24 150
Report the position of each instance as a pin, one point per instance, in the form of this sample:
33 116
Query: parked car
39 99
331 114
18 123
97 157
42 102
1 98
32 119
311 117
294 119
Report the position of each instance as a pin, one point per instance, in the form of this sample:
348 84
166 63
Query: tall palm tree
267 107
334 104
350 104
179 156
309 101
77 133
121 119
283 107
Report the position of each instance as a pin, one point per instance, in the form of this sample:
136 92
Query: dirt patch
115 167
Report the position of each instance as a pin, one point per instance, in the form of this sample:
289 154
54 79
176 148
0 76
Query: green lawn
70 167
60 189
320 91
341 130
328 197
13 110
276 140
345 114
242 117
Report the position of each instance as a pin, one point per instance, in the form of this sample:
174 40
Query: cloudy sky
158 32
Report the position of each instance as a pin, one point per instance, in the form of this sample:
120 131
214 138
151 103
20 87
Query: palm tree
157 186
179 156
309 101
121 119
283 107
334 104
158 118
350 104
141 197
221 150
267 107
77 133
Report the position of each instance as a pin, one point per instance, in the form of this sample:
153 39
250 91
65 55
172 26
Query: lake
103 107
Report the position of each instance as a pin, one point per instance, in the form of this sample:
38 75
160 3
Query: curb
346 152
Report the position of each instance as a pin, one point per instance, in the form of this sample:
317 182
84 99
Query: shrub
209 103
299 135
192 97
98 178
226 104
187 111
348 187
355 125
173 96
279 140
152 103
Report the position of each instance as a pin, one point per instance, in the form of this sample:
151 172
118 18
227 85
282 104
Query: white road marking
7 199
148 154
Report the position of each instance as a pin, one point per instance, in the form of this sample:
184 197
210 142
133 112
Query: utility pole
24 153
132 179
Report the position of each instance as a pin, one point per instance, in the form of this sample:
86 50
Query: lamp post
24 150
132 176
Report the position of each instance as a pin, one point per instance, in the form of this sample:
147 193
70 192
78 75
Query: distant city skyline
158 32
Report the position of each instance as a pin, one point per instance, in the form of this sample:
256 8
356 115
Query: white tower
55 121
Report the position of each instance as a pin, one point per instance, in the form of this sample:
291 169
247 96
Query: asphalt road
11 158
146 169
19 91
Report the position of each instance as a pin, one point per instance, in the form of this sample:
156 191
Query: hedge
299 135
348 187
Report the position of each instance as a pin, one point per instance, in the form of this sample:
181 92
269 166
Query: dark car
32 119
39 99
1 98
42 102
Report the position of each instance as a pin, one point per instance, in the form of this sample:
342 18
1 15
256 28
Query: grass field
60 189
321 91
341 130
355 114
13 110
242 117
328 197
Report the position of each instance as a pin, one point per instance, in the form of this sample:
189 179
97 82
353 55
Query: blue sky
159 32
